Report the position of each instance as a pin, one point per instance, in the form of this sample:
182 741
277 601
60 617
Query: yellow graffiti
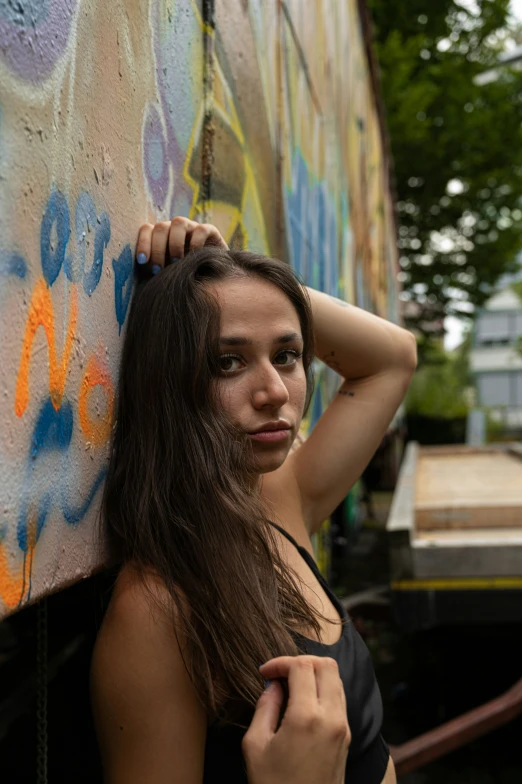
41 313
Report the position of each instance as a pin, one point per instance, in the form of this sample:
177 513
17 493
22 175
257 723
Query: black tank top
368 756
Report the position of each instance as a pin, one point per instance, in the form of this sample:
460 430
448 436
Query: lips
271 426
271 433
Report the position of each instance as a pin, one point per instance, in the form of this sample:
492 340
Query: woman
211 514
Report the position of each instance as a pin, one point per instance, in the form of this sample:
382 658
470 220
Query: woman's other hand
311 744
168 241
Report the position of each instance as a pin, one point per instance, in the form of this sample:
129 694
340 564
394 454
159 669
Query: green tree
439 388
457 149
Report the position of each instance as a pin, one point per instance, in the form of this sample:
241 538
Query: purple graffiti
34 35
155 158
173 46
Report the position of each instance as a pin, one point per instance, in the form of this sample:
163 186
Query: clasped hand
310 746
168 241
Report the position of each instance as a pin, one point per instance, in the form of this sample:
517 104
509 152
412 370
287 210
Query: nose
269 388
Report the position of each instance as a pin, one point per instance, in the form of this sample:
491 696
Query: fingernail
267 684
142 258
174 258
155 269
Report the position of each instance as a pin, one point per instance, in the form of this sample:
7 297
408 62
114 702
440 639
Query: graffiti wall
259 116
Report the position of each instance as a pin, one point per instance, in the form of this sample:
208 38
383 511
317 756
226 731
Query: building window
494 389
518 389
492 327
498 342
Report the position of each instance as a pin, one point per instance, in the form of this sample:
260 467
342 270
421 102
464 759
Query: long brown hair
179 497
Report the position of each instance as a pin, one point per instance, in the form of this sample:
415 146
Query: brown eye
226 363
291 357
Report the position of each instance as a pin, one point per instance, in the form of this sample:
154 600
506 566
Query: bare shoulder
137 627
149 722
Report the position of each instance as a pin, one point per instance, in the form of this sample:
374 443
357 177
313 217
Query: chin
270 462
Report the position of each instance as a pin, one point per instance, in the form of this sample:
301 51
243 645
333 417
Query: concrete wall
255 114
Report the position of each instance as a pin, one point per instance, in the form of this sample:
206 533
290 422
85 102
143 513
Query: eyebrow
237 341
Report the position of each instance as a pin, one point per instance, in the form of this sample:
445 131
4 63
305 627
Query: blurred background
376 146
451 80
447 637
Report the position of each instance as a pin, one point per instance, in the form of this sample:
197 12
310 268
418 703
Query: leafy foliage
517 288
457 150
439 387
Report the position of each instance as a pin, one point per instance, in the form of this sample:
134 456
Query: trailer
455 536
455 544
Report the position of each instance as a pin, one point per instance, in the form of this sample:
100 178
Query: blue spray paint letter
56 213
123 279
85 221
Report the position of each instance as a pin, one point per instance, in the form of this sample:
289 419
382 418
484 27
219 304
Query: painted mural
255 115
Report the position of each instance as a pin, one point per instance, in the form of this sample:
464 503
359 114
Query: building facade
496 358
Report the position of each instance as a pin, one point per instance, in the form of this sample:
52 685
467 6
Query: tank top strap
302 551
315 569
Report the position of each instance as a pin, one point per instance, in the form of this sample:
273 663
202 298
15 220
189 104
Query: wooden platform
457 513
467 488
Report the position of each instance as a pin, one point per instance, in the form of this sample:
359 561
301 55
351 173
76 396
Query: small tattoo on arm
329 359
346 393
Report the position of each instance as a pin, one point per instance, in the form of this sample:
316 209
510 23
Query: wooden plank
460 449
467 560
401 514
459 517
468 489
487 552
483 485
401 521
476 537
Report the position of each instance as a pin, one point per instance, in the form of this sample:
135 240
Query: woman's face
262 386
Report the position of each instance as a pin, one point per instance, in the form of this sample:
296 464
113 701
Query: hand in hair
169 241
310 746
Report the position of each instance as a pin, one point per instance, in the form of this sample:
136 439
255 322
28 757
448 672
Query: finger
300 674
159 242
207 234
330 689
281 665
268 709
216 239
200 235
179 229
302 686
276 668
143 246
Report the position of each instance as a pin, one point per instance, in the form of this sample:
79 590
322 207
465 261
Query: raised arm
357 344
376 360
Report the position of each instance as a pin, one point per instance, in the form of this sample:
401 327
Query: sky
516 8
454 326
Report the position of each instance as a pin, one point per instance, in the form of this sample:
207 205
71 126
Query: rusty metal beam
457 732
